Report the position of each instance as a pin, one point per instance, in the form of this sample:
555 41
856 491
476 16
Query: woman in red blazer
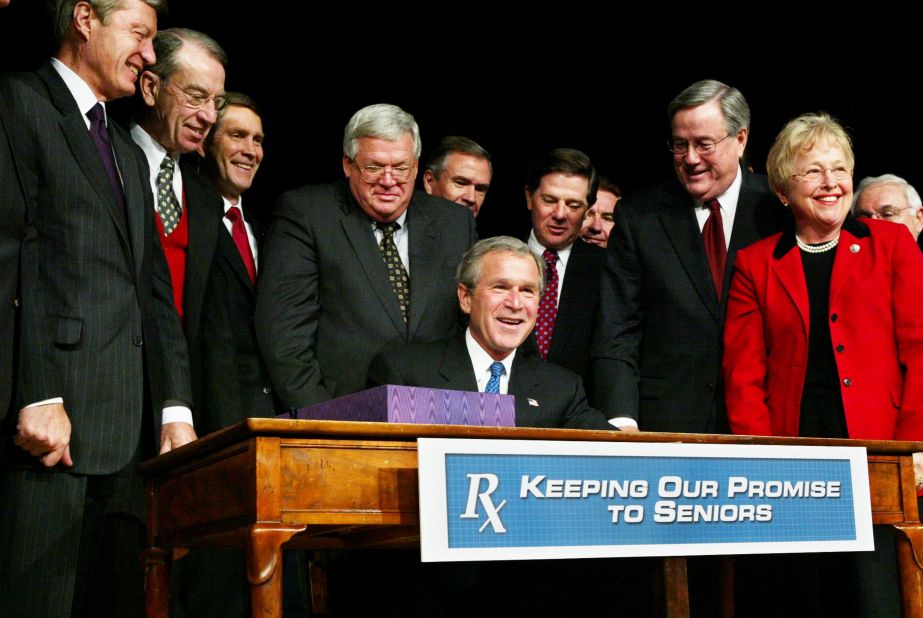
824 328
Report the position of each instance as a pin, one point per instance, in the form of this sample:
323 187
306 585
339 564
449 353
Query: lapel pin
532 402
854 248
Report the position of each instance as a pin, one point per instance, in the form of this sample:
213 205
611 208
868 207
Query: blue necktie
496 370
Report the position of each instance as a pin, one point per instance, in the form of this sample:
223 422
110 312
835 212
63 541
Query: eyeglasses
702 146
816 174
885 212
373 173
195 100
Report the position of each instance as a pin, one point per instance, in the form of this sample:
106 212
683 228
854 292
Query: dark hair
450 145
563 161
610 187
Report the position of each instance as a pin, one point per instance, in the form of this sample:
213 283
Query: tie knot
167 164
96 114
496 369
233 214
388 228
714 206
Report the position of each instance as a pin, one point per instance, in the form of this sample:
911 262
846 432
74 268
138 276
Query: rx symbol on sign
474 494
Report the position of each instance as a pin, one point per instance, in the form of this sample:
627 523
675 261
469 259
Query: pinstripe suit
12 223
98 329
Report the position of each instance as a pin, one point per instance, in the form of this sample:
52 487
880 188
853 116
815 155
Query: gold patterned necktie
167 205
397 275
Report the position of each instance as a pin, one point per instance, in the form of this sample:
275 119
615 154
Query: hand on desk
45 432
918 470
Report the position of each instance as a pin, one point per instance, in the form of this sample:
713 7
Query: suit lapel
845 264
681 227
570 305
358 232
456 366
134 185
203 211
423 248
74 128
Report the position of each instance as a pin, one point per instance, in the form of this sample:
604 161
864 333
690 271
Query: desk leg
676 588
264 567
910 566
157 581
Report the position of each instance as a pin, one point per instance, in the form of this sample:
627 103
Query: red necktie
548 307
239 234
715 249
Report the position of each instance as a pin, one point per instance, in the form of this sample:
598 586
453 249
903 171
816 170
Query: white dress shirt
481 362
728 202
230 227
154 153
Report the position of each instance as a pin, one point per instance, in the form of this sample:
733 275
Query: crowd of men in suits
142 305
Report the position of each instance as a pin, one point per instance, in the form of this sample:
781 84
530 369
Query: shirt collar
728 199
400 220
240 206
153 151
78 88
481 360
538 249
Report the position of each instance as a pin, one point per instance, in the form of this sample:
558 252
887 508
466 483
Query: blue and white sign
530 499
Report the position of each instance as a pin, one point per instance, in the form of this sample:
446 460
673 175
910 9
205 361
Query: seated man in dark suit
500 283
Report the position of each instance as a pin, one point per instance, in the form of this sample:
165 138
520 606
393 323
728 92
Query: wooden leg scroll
157 581
910 566
264 567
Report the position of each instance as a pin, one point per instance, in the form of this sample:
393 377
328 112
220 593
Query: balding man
889 198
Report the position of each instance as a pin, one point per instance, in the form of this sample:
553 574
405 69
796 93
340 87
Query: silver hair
913 198
167 46
469 271
382 121
62 13
733 104
454 144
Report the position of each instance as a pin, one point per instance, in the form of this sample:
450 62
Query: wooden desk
327 484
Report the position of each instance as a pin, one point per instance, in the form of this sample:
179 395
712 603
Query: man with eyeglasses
181 94
657 354
890 198
355 266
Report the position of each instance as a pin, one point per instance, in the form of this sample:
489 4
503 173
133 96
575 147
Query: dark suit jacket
875 296
232 383
97 315
657 356
446 364
575 324
324 304
12 228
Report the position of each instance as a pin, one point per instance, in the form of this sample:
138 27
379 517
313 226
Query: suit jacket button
840 348
709 388
137 340
16 303
267 390
847 381
834 318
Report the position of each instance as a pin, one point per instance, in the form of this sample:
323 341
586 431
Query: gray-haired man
352 267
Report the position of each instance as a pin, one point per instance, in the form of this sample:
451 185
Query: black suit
98 329
446 364
12 228
575 323
233 383
324 303
658 353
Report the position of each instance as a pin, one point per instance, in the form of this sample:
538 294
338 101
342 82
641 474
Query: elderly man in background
459 170
359 265
889 198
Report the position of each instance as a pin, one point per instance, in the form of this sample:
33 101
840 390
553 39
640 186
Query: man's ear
464 298
149 86
428 179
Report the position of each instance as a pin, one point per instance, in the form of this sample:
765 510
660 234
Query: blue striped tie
496 370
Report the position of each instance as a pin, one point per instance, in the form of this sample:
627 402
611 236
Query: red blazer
876 325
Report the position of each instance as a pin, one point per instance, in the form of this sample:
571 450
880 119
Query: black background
518 79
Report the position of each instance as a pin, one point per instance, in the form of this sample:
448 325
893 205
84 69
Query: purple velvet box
414 404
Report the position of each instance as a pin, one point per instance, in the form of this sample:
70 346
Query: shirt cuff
623 421
176 414
45 402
